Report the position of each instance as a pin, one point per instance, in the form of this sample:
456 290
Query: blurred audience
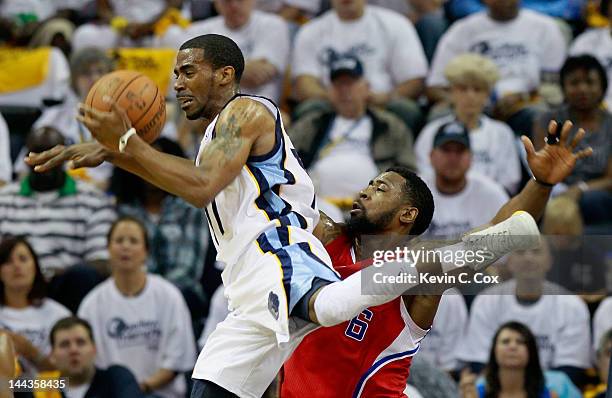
430 380
462 200
38 23
294 11
134 23
598 43
346 146
73 354
584 84
513 368
140 320
602 321
472 78
86 67
65 220
528 48
263 39
6 169
559 319
177 231
385 42
26 313
603 353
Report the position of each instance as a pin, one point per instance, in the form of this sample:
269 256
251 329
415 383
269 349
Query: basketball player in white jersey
260 206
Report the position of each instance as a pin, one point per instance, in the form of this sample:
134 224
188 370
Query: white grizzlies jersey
272 190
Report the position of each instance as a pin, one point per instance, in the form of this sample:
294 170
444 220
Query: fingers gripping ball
137 95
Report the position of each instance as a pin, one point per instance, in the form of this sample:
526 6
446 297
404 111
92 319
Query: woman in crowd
26 314
584 83
514 367
140 320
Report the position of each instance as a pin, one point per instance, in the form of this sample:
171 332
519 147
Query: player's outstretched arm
237 129
550 165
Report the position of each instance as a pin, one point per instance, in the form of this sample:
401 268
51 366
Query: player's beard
363 225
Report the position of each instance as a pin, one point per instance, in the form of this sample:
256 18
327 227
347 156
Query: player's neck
511 380
216 105
130 283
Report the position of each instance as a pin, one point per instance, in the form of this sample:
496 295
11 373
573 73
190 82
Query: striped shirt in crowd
65 227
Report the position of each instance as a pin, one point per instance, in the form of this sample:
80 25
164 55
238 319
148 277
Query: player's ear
409 214
225 75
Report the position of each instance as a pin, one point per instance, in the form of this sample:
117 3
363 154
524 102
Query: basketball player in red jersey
370 355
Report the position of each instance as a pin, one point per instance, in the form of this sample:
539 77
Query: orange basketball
138 95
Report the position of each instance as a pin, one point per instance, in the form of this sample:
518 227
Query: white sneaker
518 232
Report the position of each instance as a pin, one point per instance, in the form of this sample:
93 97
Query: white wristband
124 139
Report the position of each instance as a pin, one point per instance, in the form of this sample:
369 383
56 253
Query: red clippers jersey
369 356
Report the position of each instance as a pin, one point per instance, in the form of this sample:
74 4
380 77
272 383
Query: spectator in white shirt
6 170
26 314
528 48
602 320
263 39
494 148
559 319
386 43
140 320
462 200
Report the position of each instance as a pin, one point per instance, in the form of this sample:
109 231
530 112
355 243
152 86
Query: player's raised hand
553 163
106 127
87 154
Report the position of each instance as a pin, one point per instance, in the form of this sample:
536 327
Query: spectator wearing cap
472 78
386 43
462 200
343 148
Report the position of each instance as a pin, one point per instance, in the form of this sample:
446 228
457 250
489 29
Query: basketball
135 93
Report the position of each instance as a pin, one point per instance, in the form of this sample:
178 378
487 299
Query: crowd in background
101 266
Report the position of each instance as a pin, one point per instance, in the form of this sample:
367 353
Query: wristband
544 184
124 139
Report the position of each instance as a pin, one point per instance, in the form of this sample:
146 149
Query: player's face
349 96
511 350
451 161
127 248
235 12
194 82
531 264
18 273
378 206
73 352
583 89
503 10
469 99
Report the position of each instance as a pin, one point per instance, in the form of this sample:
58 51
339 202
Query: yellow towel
23 68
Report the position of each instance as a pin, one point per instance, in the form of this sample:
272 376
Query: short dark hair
219 51
584 62
39 287
133 219
69 323
418 194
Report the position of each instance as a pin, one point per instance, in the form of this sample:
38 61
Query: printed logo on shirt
359 51
38 337
500 51
141 333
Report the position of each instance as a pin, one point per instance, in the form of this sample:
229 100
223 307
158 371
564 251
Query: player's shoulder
327 230
245 111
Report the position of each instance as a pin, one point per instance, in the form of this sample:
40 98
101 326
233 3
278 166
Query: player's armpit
327 229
